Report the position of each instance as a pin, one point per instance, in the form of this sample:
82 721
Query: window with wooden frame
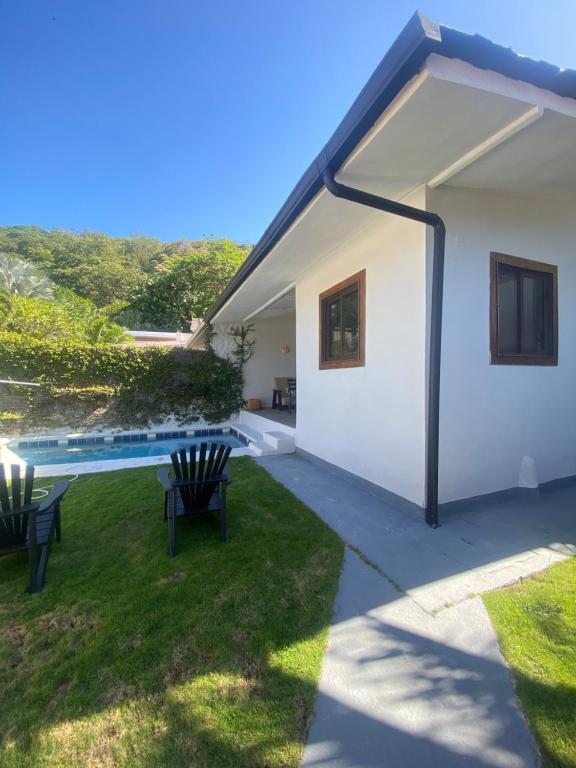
523 311
342 321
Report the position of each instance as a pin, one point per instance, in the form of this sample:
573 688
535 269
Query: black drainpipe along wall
434 359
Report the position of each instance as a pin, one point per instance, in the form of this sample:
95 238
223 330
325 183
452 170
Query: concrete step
266 443
281 442
261 448
252 434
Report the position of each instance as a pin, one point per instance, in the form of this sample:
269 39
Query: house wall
370 420
268 360
493 415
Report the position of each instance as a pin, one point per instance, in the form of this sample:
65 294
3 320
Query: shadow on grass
551 709
131 658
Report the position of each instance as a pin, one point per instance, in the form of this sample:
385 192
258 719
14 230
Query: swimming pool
102 451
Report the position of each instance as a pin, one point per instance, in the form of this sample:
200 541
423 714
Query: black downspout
434 221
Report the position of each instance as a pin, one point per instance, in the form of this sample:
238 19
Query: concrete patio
413 674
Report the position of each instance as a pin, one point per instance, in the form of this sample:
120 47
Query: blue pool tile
81 441
23 444
117 438
89 441
98 439
182 433
53 443
72 441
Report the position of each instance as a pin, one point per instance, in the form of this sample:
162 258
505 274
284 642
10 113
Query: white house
474 140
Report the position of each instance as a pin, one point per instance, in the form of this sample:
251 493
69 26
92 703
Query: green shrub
130 386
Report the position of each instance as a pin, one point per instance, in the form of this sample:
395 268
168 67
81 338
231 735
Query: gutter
403 61
419 38
435 348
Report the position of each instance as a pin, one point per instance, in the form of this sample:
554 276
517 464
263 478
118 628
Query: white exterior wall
268 360
493 415
370 420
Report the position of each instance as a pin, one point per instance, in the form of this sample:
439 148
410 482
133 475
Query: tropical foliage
20 278
66 300
162 285
188 282
118 385
91 264
67 316
5 303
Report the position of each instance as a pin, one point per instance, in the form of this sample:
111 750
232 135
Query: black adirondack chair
25 524
198 486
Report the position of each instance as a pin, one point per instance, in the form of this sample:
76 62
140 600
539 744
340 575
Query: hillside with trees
66 302
138 282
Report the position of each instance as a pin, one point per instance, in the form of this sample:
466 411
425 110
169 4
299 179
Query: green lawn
128 658
536 625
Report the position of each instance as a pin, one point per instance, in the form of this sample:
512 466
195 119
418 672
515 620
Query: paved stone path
413 675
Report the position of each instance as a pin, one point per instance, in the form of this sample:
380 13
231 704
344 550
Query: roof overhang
442 108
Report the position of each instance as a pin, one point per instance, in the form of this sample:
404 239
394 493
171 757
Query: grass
129 658
535 621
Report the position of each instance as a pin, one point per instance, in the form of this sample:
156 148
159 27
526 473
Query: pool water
103 451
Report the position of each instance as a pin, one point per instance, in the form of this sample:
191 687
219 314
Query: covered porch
273 359
283 417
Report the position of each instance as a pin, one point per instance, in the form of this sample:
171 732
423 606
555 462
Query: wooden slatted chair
27 524
198 486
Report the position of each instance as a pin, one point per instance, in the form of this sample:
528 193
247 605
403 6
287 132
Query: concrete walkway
413 675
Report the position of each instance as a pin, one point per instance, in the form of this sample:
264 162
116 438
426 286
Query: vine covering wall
87 385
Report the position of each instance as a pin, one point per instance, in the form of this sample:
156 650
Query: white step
263 444
281 442
261 448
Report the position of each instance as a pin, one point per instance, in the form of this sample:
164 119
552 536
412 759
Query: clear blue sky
184 118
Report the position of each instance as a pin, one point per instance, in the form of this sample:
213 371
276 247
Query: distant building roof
159 338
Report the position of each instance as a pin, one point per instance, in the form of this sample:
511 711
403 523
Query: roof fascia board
461 72
404 59
418 41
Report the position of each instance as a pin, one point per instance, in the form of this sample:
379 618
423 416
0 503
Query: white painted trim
274 299
294 224
505 133
462 73
197 335
390 112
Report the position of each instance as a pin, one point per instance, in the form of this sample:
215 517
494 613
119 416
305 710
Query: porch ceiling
452 124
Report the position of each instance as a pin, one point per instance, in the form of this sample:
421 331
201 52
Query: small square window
523 311
342 310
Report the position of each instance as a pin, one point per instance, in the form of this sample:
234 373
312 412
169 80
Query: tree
5 303
92 264
187 284
165 283
20 278
67 316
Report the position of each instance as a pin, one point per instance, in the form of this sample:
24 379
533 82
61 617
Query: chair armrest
54 496
227 474
163 476
27 509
